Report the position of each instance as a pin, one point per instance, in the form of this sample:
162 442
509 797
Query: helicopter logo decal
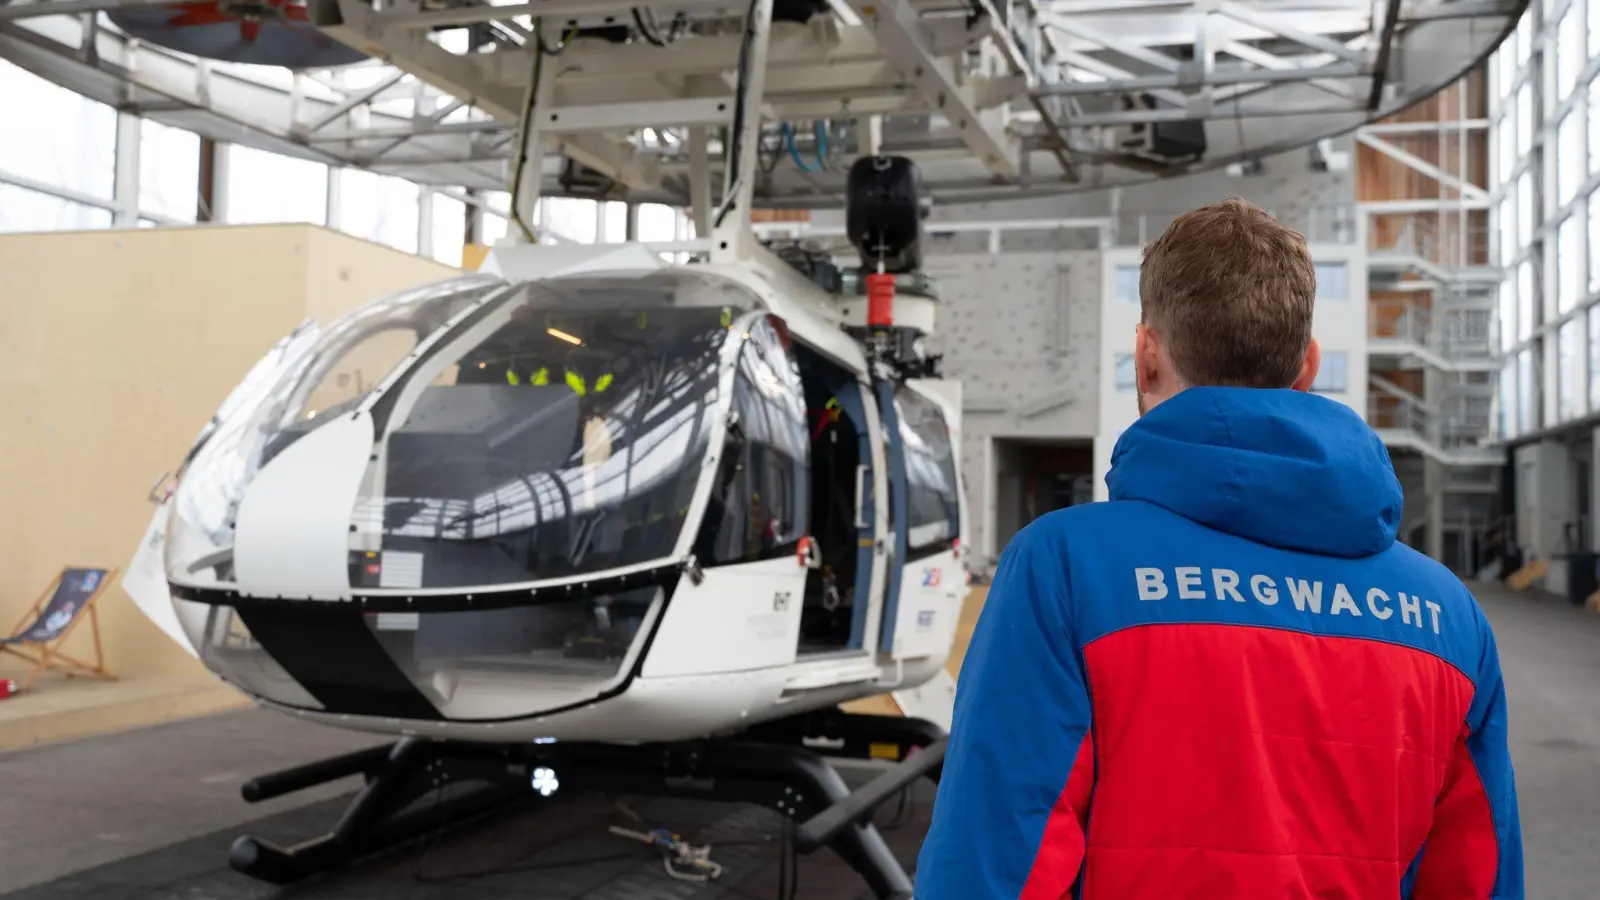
932 577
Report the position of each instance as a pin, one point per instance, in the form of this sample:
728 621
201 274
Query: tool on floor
680 859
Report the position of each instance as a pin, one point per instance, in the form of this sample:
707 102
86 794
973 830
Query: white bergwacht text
1307 596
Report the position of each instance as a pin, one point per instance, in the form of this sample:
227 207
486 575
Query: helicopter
587 495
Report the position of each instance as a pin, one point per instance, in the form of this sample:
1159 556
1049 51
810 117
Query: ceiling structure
994 99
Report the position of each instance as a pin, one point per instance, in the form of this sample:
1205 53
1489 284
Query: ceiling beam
908 44
467 78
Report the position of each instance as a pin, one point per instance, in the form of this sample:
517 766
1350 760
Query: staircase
1448 349
1455 437
1455 333
1417 250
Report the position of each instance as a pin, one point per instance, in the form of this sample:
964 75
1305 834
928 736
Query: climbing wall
1021 332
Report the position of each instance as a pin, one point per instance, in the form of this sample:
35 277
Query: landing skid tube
767 766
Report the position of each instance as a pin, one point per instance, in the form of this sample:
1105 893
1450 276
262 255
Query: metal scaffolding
994 99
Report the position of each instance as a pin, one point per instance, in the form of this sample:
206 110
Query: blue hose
794 151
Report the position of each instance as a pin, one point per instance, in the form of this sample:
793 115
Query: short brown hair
1230 290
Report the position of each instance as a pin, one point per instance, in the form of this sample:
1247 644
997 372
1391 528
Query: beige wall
115 348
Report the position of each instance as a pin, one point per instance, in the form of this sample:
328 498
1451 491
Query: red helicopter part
256 32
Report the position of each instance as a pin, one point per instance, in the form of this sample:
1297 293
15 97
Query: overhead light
557 333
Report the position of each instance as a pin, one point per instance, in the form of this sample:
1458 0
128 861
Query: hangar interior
183 185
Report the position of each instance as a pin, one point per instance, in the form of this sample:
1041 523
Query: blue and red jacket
1228 682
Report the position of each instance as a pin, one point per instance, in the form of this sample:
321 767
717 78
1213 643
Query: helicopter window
765 508
346 383
362 349
566 441
932 494
318 371
503 663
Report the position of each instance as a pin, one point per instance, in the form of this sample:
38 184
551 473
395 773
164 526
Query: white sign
145 580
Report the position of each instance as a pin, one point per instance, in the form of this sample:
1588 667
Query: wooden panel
780 215
1453 237
1409 379
1385 308
115 347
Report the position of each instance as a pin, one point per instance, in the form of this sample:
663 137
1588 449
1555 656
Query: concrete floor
77 809
69 807
1550 651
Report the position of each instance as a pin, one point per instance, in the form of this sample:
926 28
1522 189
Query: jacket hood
1279 467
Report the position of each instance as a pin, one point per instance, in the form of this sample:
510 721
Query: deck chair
54 616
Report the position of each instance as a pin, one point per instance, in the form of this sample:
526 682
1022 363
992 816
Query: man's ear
1146 359
1308 369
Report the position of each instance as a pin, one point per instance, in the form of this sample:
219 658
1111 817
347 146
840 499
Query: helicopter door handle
861 488
810 556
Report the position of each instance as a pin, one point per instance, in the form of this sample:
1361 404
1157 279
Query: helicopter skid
650 710
770 766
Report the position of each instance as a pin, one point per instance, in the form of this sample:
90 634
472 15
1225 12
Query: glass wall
1545 138
64 176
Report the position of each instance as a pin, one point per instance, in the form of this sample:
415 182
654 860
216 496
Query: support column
425 197
700 180
126 185
870 128
472 218
1434 475
221 164
528 162
730 224
1433 481
1594 490
331 216
206 202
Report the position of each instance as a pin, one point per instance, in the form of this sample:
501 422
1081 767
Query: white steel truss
994 99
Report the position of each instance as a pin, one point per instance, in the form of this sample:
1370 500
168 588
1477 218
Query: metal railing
1453 332
1453 427
1446 241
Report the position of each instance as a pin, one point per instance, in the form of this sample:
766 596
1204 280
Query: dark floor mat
560 849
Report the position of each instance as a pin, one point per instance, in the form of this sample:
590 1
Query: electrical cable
521 164
794 152
767 157
645 21
648 33
566 41
519 167
739 112
819 130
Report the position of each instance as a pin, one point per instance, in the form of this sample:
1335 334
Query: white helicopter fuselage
336 584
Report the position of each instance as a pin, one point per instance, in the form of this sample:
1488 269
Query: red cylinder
880 300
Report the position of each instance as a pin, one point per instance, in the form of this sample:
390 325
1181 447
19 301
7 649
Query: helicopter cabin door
922 600
844 587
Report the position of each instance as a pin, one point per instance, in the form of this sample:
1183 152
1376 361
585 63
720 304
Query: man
1230 681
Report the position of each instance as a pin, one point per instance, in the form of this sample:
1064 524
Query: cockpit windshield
302 390
548 442
519 432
